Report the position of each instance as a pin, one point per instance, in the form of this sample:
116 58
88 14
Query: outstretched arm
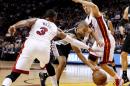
123 21
82 57
110 25
125 15
22 23
94 8
71 40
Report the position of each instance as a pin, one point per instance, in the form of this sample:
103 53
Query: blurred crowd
68 15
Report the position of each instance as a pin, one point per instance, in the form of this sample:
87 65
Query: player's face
80 31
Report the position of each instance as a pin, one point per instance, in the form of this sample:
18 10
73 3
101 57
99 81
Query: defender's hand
77 1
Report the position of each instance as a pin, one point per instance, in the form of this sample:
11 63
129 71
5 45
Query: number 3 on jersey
42 31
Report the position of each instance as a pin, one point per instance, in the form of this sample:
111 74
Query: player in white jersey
37 45
96 20
105 36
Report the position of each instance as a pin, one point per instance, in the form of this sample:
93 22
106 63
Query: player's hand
12 30
95 68
77 1
100 43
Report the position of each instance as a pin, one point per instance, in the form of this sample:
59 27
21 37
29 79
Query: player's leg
118 80
124 54
61 66
107 56
10 78
105 67
93 59
64 51
44 59
43 77
124 66
22 65
113 65
50 73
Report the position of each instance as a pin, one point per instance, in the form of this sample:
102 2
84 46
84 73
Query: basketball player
125 23
37 44
96 20
111 28
64 49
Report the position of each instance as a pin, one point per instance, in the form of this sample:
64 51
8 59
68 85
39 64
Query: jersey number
42 31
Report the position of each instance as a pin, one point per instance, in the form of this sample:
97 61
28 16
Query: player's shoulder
49 22
41 20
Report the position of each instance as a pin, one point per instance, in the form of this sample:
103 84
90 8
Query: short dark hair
50 13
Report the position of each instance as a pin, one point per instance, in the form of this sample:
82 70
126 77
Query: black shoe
43 77
58 83
125 78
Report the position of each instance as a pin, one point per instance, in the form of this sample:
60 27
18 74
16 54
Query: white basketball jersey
43 30
99 25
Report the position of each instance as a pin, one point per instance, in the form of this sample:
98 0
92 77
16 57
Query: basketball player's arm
82 58
71 40
123 21
95 9
95 36
22 23
110 25
125 15
25 23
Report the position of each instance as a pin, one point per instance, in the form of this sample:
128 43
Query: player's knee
63 62
13 76
124 55
50 69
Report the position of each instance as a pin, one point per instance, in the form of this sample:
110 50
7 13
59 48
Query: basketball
99 77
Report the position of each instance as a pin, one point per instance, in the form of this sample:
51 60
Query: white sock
54 81
7 82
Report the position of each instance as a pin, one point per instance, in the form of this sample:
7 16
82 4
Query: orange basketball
99 77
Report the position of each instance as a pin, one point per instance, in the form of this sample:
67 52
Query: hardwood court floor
73 75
